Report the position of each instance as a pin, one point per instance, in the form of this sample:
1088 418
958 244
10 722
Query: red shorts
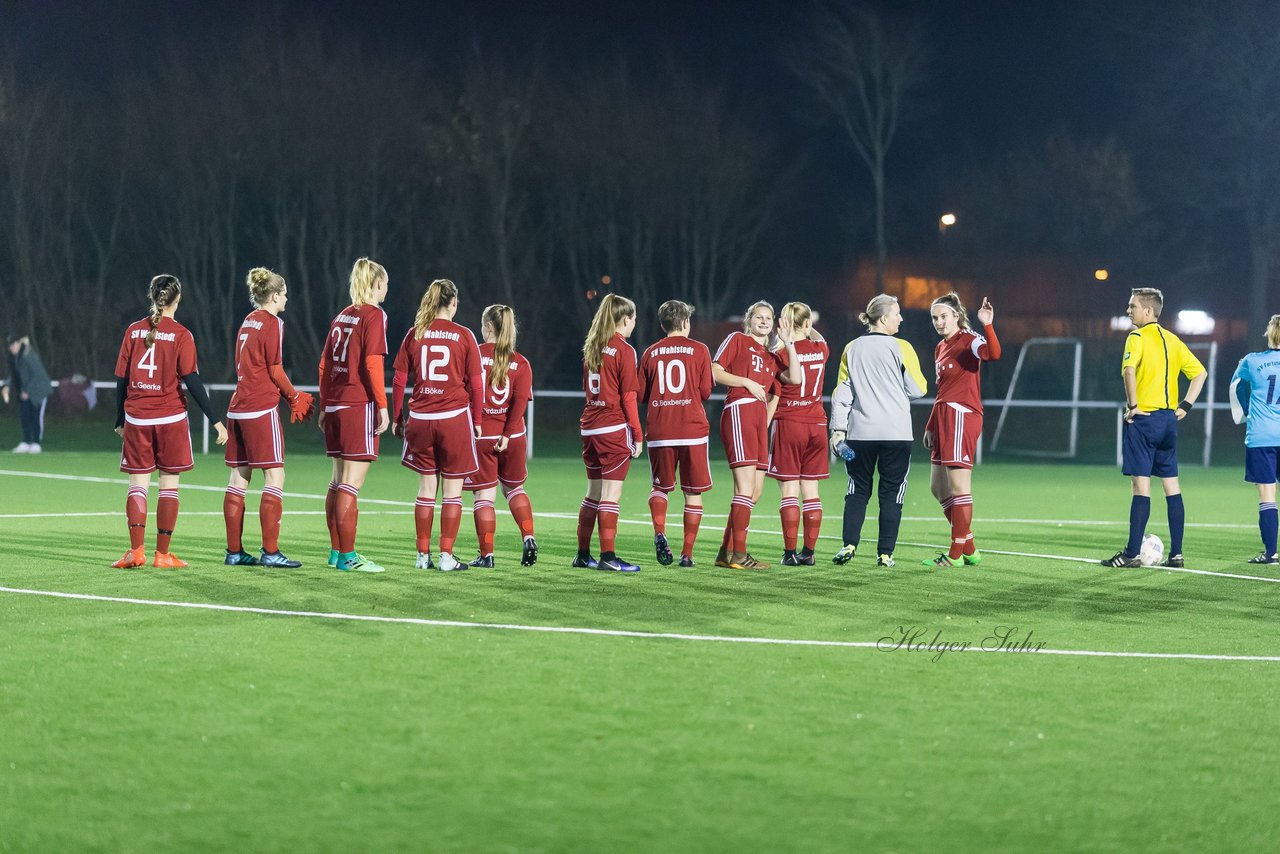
955 431
440 442
798 451
254 440
348 431
744 430
608 454
511 466
157 443
692 461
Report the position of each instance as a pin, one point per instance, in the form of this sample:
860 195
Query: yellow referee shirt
1158 357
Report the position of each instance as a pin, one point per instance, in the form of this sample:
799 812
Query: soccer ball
1152 550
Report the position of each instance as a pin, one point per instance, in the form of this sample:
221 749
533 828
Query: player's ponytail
439 294
365 276
797 312
164 291
263 283
612 311
952 301
1273 332
503 321
877 309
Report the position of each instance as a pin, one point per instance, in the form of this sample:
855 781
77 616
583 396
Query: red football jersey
956 361
442 363
740 355
154 373
604 389
258 347
803 402
676 375
357 331
504 407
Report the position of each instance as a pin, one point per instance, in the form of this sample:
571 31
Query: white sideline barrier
994 404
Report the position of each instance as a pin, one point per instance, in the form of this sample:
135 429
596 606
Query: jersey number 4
148 362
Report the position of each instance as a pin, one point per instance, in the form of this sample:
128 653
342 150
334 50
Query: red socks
961 523
233 516
607 516
424 514
486 522
270 509
789 509
812 522
692 519
740 521
166 518
586 523
521 511
450 521
344 516
658 511
331 514
135 511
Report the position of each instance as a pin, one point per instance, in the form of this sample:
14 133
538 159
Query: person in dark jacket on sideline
30 381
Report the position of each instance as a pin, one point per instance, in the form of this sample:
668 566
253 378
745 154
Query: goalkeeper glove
301 405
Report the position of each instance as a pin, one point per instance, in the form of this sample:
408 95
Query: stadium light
1194 322
946 221
1101 274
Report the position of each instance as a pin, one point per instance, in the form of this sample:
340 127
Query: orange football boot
132 558
168 560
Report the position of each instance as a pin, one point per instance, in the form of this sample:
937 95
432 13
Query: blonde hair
797 313
164 291
439 294
503 320
876 309
751 309
952 301
364 279
612 311
263 283
1152 298
1273 332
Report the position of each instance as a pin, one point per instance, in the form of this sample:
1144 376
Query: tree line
524 187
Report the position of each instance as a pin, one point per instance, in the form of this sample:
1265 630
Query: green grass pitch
143 726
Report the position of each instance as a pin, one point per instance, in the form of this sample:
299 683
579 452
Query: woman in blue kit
1255 402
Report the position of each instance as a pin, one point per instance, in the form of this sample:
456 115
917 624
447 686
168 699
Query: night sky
1001 72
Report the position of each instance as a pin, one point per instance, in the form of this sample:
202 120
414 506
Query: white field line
120 481
617 633
407 507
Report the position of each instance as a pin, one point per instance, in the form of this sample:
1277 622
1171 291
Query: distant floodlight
1121 324
947 220
1194 322
1101 274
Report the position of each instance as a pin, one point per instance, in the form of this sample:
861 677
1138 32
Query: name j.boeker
921 639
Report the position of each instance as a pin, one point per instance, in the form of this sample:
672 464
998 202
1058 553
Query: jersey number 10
671 377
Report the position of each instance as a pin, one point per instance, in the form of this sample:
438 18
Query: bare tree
862 67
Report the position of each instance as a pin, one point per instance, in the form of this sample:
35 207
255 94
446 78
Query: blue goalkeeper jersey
1255 398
